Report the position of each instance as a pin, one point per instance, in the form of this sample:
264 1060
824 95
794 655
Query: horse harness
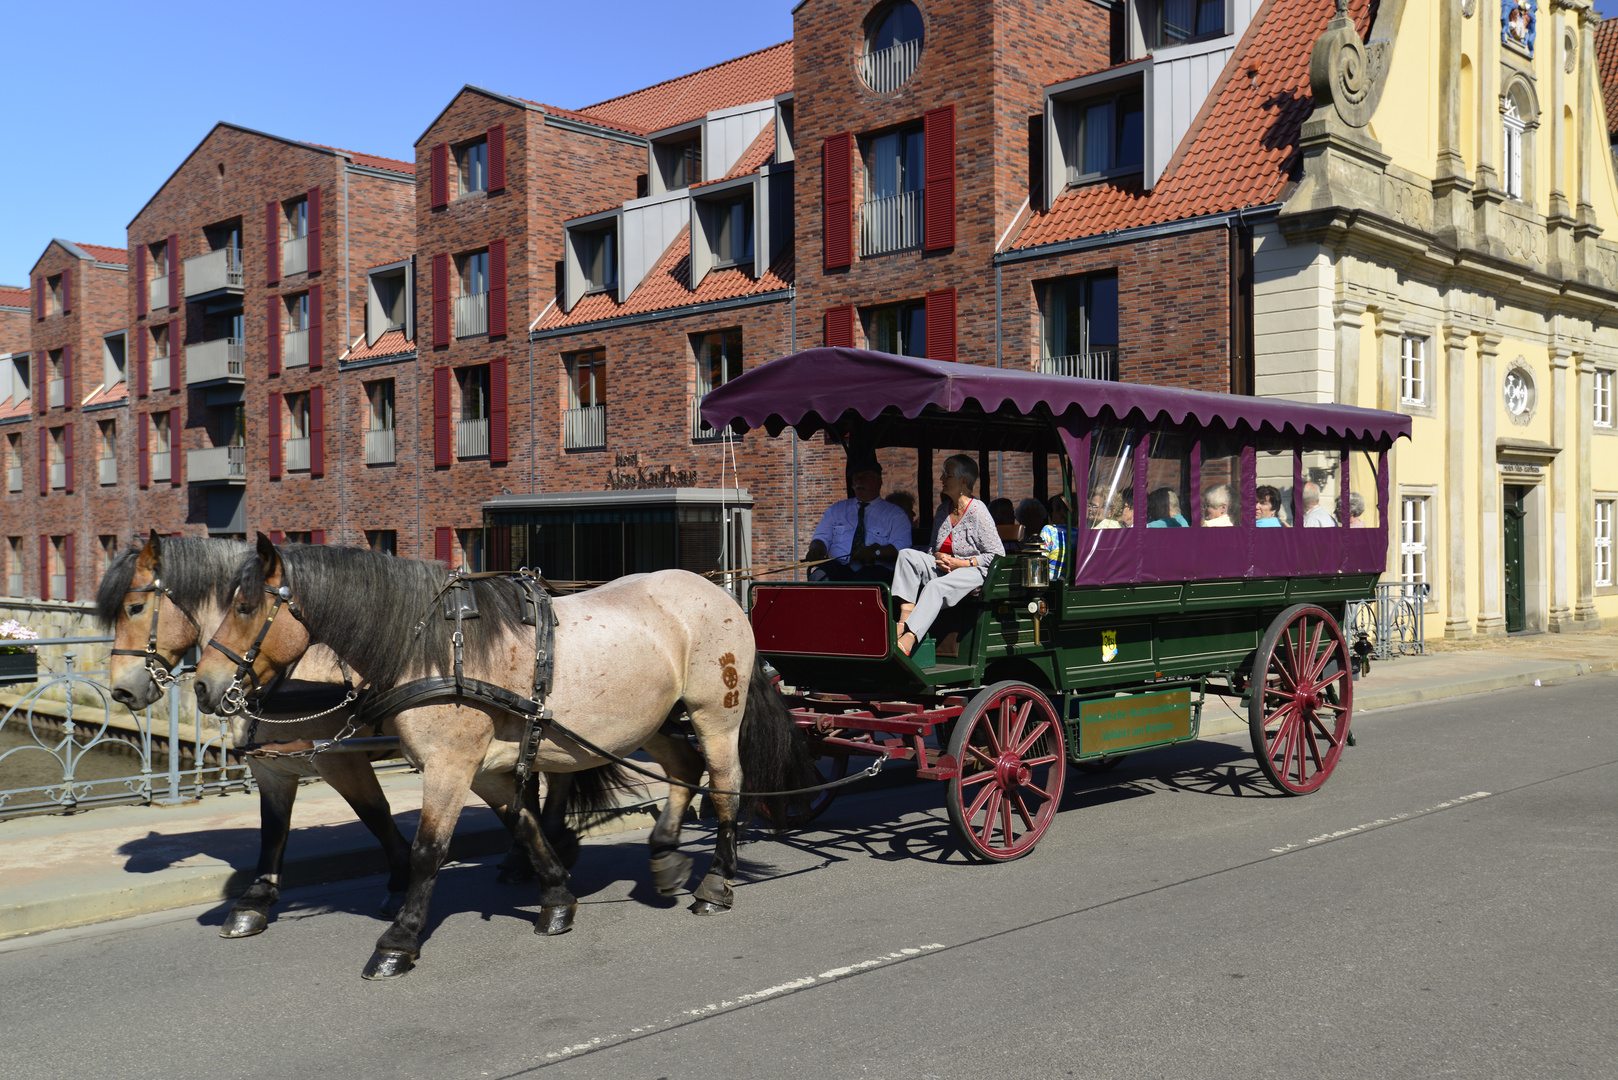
162 676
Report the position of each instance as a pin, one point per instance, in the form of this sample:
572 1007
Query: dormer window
600 261
893 43
53 294
724 221
387 302
1095 128
590 257
472 166
1161 24
677 161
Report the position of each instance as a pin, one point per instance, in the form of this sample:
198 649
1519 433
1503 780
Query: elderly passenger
1163 510
1216 507
862 535
1315 515
965 542
1356 511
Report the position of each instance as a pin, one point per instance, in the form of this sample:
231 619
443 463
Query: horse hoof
708 907
244 922
714 891
388 964
391 904
555 920
670 871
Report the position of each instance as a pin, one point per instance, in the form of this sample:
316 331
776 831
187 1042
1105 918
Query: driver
863 535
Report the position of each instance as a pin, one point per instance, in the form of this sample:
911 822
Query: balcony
58 475
107 470
584 428
295 348
220 360
891 224
295 455
294 256
379 447
159 373
58 586
217 464
472 314
214 273
699 433
58 393
161 462
14 585
157 293
885 70
1099 364
14 478
472 438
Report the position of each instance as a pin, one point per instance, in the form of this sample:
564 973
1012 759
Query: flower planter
18 667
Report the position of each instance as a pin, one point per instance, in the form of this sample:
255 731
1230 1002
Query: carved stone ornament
1570 51
1342 73
1518 392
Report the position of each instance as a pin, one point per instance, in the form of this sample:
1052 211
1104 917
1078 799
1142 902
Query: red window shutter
42 386
67 290
837 198
44 462
313 196
39 298
69 567
840 327
497 288
316 343
941 325
67 375
140 280
317 431
441 432
498 441
272 331
441 298
497 157
67 460
44 567
174 354
143 361
317 536
174 273
938 199
142 447
176 447
274 428
277 536
444 545
439 175
272 242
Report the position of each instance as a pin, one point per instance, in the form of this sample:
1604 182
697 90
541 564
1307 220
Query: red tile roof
1607 62
756 156
756 76
107 254
391 343
102 395
11 296
9 409
574 114
372 161
668 286
1241 150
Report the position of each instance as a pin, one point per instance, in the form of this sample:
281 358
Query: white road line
1380 822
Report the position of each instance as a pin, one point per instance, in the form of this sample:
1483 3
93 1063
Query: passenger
1216 507
1005 522
1031 516
1056 538
1356 511
1163 510
863 535
1315 514
1120 513
965 542
1268 508
1098 510
1056 506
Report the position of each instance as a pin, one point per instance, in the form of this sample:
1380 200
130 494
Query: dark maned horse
630 656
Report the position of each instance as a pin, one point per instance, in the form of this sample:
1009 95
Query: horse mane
365 606
197 572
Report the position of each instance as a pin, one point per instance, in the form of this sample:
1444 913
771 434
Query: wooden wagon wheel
1303 697
1013 759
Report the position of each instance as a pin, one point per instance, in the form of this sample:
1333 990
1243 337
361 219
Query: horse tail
592 796
775 754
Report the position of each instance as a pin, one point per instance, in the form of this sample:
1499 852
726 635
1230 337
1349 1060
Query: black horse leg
354 778
277 788
515 867
670 867
553 821
557 903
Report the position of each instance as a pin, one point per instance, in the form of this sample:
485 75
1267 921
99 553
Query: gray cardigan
976 537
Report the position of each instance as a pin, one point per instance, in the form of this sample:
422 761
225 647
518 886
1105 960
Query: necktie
859 529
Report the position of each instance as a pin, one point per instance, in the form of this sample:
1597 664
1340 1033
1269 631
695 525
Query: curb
1461 686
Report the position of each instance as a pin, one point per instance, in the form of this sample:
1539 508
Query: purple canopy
812 389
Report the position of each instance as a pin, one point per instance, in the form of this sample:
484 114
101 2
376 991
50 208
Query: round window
1518 393
892 46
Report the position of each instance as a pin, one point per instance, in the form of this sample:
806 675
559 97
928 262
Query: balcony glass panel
160 372
14 584
58 586
215 271
214 361
379 447
584 428
472 438
107 470
160 466
296 455
58 474
157 294
14 478
892 223
57 393
216 463
294 256
472 314
295 348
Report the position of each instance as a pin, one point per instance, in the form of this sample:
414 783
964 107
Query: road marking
1380 822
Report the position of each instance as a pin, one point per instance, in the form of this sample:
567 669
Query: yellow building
1449 252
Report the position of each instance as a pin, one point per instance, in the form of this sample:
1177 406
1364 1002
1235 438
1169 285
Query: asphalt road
1443 907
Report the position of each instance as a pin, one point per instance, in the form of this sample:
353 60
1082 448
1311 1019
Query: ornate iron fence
1391 624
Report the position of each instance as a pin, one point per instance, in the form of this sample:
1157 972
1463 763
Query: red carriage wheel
1302 699
1013 760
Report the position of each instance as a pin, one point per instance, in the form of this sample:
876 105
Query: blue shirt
885 523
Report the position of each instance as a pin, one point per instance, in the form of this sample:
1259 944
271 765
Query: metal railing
296 454
213 361
584 428
216 463
1392 623
58 474
885 70
161 462
159 373
57 393
219 269
472 438
700 433
379 447
295 348
1101 364
892 223
14 478
157 293
107 470
294 255
472 314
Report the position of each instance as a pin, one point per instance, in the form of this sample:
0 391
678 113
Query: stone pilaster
1451 185
1456 622
1561 612
1585 229
1487 194
1491 572
1584 607
1559 221
1347 321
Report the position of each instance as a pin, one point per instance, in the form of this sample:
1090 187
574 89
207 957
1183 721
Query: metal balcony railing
213 272
296 455
107 470
584 428
216 463
157 293
885 70
294 255
892 223
699 433
159 374
472 438
223 359
161 461
295 348
1099 364
472 314
58 474
14 478
379 447
57 392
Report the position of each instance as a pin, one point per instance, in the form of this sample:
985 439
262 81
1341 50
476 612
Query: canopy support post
983 474
1042 487
925 503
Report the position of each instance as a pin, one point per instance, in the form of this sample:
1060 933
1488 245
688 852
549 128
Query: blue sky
117 94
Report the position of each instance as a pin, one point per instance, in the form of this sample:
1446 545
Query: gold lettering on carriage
1124 723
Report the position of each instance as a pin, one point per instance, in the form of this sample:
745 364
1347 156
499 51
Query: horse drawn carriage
1150 607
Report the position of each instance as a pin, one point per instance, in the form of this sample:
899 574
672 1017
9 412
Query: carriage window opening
1112 478
1362 496
1275 504
1168 480
1221 494
1321 501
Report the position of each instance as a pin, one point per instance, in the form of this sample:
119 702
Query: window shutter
840 327
44 462
498 441
941 325
174 274
176 447
837 198
67 290
444 545
441 305
497 288
39 297
1036 163
313 196
441 424
317 431
174 354
141 288
938 199
142 445
67 458
317 536
44 567
143 361
272 331
439 175
272 242
68 566
274 427
42 386
497 157
316 342
67 374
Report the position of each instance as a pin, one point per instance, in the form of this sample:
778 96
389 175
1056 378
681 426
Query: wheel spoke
977 803
1014 736
1034 762
986 834
1315 660
986 760
1022 810
1006 835
1022 747
977 777
986 725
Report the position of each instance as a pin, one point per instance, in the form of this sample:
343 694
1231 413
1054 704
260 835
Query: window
677 161
58 463
472 305
584 424
14 583
114 360
107 459
384 540
159 256
295 248
296 446
589 257
1107 136
56 380
1603 399
53 294
1221 481
1413 539
387 302
471 543
107 551
1603 541
295 339
1514 128
900 329
719 360
1274 502
1187 20
297 211
891 216
379 445
58 557
162 459
14 462
734 245
1412 370
21 378
472 429
600 260
1081 327
1111 499
893 43
472 166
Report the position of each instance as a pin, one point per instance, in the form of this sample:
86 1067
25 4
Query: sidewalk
109 863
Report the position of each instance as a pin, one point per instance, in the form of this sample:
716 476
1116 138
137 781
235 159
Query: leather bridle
234 698
161 673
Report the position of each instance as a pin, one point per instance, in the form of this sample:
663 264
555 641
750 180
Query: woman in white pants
965 542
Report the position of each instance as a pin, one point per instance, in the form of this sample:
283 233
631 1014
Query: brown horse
632 655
